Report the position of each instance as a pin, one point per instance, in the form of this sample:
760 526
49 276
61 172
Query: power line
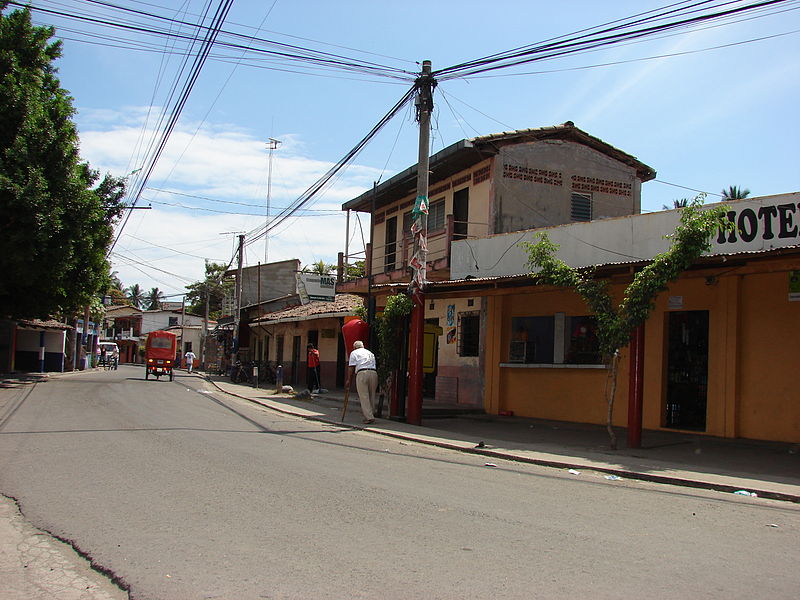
317 186
603 37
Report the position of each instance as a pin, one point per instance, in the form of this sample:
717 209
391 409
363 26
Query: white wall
771 222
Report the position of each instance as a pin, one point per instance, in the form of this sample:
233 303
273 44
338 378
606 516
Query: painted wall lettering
769 220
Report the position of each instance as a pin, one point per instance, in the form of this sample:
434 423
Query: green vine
615 324
389 332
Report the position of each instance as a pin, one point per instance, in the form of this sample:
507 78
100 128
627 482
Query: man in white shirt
362 364
190 356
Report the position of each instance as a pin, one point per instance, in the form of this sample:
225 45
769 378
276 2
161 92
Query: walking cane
346 398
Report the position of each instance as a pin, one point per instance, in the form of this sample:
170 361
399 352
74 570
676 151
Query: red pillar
417 334
636 388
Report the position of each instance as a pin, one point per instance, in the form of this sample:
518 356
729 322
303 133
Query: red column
636 388
417 334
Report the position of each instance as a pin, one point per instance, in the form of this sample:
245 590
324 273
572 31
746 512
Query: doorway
390 247
687 370
460 214
296 342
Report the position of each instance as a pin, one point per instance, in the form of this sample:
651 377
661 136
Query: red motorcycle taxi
159 354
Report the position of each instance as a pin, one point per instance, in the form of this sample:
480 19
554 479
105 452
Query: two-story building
485 186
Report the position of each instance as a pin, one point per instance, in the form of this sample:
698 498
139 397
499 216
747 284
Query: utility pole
273 145
204 341
237 314
424 105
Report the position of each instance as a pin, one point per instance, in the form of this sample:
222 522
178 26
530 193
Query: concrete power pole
237 314
424 104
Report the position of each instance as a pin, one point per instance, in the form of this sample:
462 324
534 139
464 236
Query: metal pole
424 104
346 244
183 325
636 388
273 145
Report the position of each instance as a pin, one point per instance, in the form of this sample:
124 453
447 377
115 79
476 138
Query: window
469 330
436 215
532 340
558 339
581 207
581 343
173 321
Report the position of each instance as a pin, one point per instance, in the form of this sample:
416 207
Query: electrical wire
605 36
317 186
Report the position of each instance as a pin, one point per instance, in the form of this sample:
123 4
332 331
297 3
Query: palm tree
115 289
734 193
318 268
135 295
682 203
154 298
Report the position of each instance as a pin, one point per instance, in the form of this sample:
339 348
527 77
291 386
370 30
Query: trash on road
746 493
773 525
490 465
574 472
613 477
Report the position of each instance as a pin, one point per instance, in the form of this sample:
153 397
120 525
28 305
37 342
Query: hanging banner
417 262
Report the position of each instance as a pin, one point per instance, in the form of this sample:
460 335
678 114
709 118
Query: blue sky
722 110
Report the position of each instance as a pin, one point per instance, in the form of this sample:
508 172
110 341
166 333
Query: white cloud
226 164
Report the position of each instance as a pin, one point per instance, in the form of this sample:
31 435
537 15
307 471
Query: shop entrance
687 370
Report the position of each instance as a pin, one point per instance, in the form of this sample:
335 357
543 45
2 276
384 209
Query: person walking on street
312 369
362 364
189 356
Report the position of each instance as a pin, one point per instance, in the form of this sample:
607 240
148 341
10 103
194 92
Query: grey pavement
764 469
35 565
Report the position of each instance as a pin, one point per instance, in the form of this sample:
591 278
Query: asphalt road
184 493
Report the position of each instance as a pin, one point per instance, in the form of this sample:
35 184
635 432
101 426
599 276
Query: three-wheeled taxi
159 354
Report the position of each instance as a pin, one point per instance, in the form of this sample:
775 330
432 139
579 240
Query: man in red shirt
312 366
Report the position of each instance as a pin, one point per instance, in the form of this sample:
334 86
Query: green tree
215 286
616 321
135 295
734 193
679 203
116 290
154 299
388 334
355 270
56 220
319 268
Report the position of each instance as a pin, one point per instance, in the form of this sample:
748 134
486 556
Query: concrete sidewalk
766 469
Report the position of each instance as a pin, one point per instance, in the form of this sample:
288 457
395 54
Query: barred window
469 331
436 215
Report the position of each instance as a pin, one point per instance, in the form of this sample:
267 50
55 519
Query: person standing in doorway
189 356
312 366
362 365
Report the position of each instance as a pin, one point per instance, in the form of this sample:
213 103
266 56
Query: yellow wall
754 349
770 356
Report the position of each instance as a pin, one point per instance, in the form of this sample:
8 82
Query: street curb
626 474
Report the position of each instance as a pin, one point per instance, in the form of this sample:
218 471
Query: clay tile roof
343 305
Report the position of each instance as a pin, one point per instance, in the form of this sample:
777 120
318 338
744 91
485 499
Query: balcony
388 264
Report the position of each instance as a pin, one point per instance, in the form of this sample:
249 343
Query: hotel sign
761 224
